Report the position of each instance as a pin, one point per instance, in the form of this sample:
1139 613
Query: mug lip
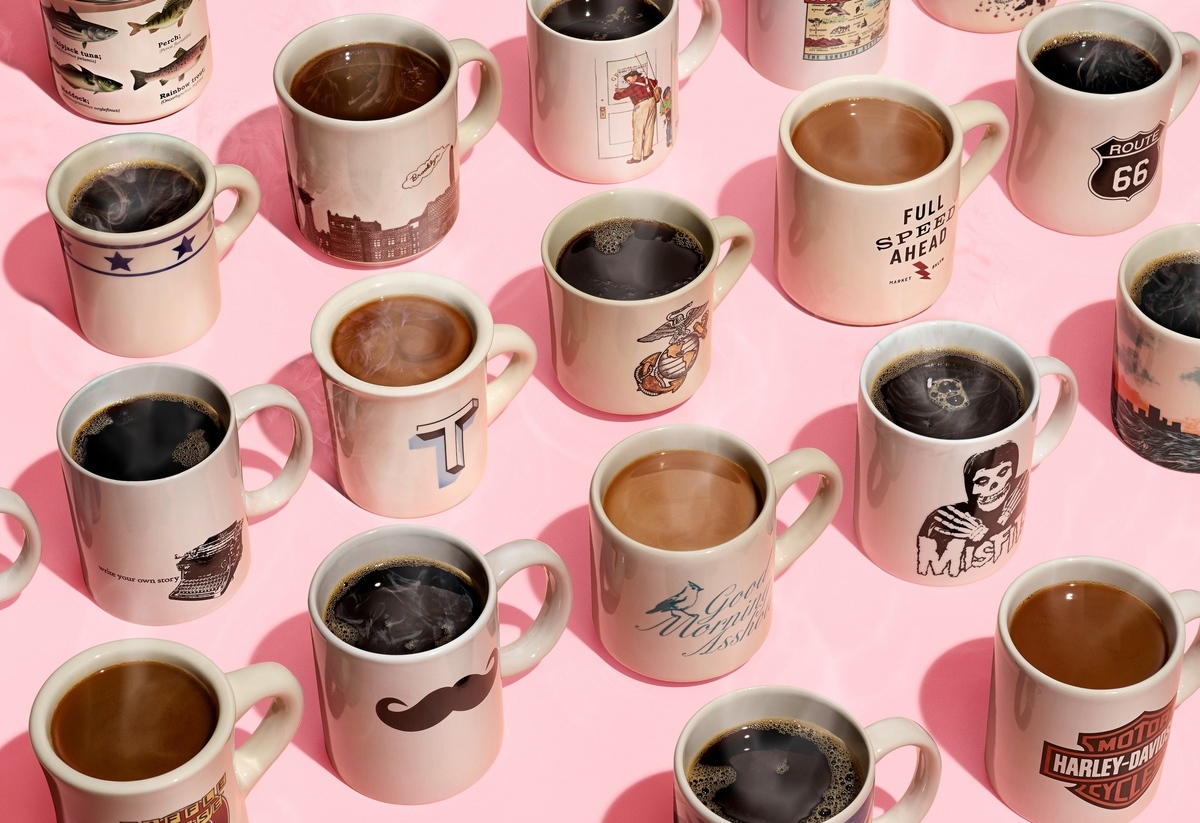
1025 62
1008 607
1127 275
129 650
282 84
316 609
670 16
763 519
791 118
656 195
865 380
395 284
751 694
64 448
145 237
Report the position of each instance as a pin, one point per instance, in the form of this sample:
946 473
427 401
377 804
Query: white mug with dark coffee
1088 146
140 240
143 729
153 472
406 637
869 181
947 416
778 754
684 550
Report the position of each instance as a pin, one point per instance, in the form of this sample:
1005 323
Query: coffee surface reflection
402 340
367 81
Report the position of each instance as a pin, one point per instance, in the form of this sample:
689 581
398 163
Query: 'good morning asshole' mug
684 551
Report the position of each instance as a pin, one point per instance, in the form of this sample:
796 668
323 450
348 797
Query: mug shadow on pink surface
302 377
647 801
513 58
26 796
1084 341
750 196
733 24
33 265
954 704
41 486
833 432
1004 94
25 50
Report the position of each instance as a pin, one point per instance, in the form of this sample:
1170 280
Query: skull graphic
948 393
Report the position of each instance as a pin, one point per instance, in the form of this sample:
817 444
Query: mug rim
751 694
316 609
655 195
764 518
671 14
129 650
397 284
1127 275
1031 405
1112 568
64 450
132 239
791 118
282 84
1025 62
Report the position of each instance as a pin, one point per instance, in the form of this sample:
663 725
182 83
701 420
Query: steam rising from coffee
403 340
134 195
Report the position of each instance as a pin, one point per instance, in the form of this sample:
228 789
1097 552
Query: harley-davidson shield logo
1115 768
1127 164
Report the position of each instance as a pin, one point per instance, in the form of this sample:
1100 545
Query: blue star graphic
119 262
184 247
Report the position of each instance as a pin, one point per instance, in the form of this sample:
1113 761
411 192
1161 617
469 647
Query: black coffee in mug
949 394
1097 63
133 195
403 605
776 770
1168 292
148 437
630 259
367 81
602 19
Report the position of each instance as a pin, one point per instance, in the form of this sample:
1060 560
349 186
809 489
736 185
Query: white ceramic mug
801 44
417 728
1057 752
606 111
127 61
379 192
213 785
1090 164
1156 371
686 616
166 551
164 277
949 512
862 254
411 451
649 355
18 575
866 745
985 16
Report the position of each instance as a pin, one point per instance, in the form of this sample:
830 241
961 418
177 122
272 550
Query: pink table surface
585 740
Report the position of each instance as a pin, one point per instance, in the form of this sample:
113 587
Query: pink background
585 740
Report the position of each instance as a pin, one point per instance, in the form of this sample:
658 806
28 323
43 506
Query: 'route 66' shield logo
1127 164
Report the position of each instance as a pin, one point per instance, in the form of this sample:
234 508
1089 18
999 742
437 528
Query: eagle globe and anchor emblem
664 371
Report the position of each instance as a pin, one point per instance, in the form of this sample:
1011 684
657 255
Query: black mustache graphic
436 706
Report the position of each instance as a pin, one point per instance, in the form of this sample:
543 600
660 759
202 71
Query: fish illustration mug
128 62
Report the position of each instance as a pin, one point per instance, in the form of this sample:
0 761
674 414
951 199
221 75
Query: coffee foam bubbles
189 452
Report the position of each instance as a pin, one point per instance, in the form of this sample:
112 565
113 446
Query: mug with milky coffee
143 729
1090 665
404 358
406 638
869 182
684 550
140 240
369 104
947 415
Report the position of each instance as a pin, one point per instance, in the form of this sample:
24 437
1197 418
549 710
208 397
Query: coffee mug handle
540 637
483 114
972 114
280 490
504 386
18 575
806 528
1189 73
1052 433
1189 679
703 41
893 733
279 724
736 260
249 195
